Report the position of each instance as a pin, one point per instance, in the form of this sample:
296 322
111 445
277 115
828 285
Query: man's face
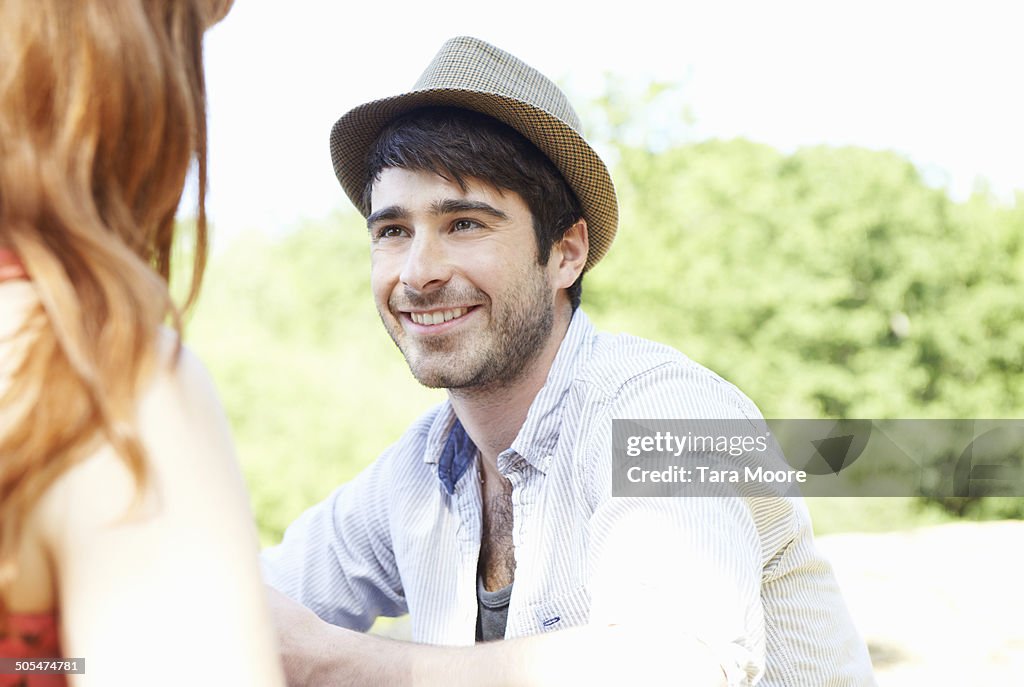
456 279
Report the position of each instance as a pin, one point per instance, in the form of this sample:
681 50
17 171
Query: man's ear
569 254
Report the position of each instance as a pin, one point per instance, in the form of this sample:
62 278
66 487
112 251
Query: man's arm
316 653
690 565
337 558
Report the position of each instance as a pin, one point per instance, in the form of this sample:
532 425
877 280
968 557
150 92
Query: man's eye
465 224
390 232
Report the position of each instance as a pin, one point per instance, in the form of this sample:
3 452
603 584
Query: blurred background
823 202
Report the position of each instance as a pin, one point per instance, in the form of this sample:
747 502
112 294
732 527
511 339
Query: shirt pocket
564 610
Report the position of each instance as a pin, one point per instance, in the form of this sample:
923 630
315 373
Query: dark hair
461 144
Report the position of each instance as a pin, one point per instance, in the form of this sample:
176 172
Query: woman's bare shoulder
134 576
186 443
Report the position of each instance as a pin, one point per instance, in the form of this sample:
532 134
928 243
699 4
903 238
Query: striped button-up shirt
740 574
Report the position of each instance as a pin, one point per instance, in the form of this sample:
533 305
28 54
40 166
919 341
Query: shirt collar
453 451
449 447
538 436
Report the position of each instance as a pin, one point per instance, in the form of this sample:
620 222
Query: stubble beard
492 358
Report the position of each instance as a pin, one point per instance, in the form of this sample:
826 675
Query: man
493 517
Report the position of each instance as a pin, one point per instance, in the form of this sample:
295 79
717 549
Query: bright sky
938 81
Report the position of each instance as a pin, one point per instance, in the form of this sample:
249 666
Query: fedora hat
474 75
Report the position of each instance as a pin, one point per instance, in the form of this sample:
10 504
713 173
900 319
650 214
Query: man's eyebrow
454 205
440 207
388 213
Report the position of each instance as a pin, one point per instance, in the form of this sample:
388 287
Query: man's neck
493 416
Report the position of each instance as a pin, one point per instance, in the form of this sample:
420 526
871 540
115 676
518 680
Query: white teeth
438 316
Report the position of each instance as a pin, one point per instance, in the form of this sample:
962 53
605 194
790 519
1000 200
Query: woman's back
167 586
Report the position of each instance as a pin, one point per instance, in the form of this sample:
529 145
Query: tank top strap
11 266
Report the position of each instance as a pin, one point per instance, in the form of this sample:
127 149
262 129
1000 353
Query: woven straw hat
472 74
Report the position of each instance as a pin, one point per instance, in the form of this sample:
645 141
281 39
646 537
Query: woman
125 535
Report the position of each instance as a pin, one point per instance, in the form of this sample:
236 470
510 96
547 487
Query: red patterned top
31 636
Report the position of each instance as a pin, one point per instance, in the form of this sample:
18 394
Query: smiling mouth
437 316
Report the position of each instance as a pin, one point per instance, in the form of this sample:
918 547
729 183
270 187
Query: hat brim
354 133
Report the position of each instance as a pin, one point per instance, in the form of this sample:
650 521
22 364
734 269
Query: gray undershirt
492 612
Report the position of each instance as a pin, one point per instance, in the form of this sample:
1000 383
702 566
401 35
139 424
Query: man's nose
427 264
